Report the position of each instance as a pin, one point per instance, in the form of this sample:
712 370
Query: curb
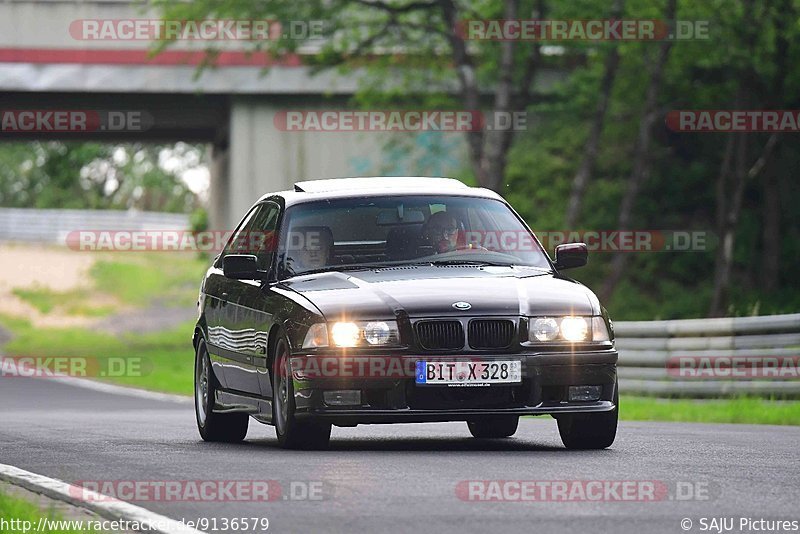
97 503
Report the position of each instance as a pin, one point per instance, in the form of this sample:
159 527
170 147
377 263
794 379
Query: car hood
423 291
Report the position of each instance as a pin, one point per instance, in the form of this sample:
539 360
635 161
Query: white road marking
101 505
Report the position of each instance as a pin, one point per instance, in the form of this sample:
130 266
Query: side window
262 234
237 243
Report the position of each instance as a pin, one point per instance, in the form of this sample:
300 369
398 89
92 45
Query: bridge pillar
219 215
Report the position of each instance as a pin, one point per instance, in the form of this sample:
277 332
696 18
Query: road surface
405 478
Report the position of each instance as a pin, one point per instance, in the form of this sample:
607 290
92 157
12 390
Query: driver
441 231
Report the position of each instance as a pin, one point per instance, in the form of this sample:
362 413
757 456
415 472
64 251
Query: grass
74 302
28 514
743 410
161 361
171 278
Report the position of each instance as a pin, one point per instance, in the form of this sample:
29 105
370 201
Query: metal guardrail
649 351
53 226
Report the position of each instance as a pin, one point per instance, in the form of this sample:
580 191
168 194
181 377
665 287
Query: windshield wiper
347 267
467 262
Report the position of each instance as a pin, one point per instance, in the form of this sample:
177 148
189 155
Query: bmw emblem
461 305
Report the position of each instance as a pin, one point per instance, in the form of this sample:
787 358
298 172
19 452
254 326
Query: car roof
311 190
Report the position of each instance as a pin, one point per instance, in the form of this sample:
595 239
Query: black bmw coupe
389 300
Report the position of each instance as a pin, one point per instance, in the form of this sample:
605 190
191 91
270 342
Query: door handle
224 295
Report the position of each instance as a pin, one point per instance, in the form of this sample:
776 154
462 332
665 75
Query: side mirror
571 255
241 267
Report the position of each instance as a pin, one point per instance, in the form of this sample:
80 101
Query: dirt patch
54 268
61 270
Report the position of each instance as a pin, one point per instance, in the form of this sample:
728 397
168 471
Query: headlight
571 328
317 336
364 333
345 334
574 329
377 333
543 329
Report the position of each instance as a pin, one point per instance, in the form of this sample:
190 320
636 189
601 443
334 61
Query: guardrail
697 357
53 226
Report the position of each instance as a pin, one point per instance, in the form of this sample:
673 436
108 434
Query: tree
498 77
94 176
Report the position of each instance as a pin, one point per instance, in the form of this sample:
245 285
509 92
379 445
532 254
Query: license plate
471 373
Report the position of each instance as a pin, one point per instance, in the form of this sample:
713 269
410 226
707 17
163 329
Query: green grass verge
160 361
74 302
28 514
171 278
745 410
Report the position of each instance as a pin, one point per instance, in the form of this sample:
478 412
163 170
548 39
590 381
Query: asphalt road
404 478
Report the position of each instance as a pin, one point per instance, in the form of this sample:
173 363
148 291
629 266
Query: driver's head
314 250
441 231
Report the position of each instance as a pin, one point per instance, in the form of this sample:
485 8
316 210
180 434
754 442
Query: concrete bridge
48 63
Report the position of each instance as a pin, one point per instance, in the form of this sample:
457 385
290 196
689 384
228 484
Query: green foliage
93 176
198 221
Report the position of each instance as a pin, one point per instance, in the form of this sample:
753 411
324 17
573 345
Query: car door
222 335
250 309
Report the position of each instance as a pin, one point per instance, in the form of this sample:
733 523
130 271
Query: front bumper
392 397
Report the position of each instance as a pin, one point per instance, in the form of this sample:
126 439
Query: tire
590 430
292 433
497 427
225 427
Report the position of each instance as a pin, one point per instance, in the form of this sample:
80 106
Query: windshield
367 232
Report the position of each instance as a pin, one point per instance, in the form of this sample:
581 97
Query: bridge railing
710 357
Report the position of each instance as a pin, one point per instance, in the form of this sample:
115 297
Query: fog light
584 393
343 397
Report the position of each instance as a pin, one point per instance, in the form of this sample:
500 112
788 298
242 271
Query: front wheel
496 427
227 427
292 433
590 430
